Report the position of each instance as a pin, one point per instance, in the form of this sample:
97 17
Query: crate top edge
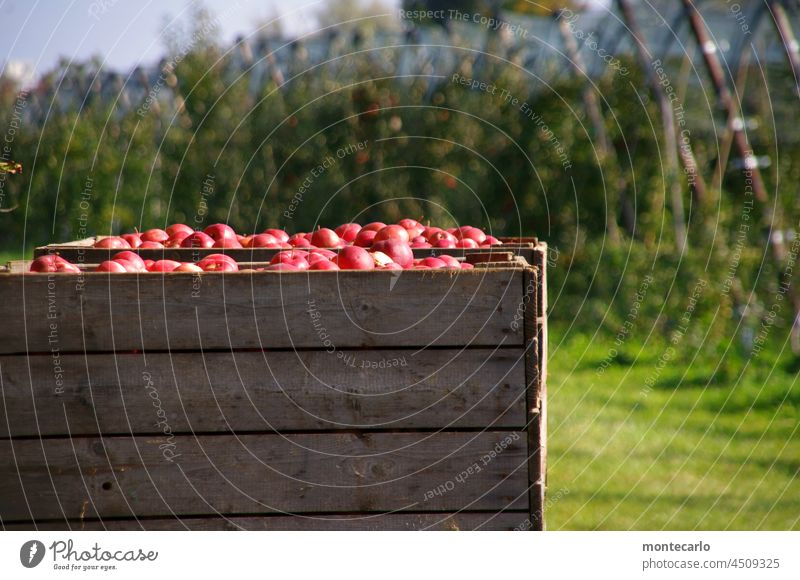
481 269
88 243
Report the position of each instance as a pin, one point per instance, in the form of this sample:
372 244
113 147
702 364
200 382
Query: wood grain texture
259 391
123 312
257 474
464 521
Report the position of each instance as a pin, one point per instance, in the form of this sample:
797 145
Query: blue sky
126 32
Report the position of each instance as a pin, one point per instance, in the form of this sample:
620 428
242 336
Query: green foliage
350 140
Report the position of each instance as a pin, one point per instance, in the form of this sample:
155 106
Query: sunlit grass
693 452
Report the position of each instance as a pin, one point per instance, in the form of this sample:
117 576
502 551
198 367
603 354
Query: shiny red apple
354 258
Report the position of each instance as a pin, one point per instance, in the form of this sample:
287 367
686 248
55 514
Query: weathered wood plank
124 312
464 521
257 391
256 474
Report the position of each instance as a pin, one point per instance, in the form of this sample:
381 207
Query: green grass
695 452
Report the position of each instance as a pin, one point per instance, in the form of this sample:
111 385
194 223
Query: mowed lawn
694 452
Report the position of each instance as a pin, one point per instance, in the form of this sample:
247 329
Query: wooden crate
267 400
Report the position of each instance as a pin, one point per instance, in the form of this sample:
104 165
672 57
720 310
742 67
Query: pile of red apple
408 231
127 261
399 257
373 246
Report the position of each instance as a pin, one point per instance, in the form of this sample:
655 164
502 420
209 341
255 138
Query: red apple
299 241
213 258
151 246
179 228
263 241
323 265
176 239
220 231
155 235
492 241
392 233
314 258
466 243
397 250
111 266
441 235
294 258
48 263
365 238
197 240
188 267
374 226
134 240
430 230
112 242
420 242
392 266
354 258
413 227
468 232
227 243
163 266
450 261
279 235
283 267
131 257
466 266
323 252
218 266
444 244
66 267
325 238
129 266
348 232
433 263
